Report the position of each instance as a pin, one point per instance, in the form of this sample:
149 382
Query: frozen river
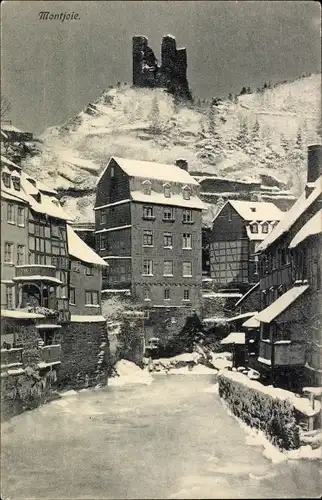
171 439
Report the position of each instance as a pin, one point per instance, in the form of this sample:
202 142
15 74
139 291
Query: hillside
265 132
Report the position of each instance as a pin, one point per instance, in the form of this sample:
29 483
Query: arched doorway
31 295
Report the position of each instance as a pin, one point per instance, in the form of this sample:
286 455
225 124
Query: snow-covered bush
275 417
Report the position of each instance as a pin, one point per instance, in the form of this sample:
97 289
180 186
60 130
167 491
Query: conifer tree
242 138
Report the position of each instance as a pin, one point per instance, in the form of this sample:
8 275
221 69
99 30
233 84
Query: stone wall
85 360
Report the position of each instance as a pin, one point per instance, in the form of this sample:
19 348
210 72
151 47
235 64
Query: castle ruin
171 74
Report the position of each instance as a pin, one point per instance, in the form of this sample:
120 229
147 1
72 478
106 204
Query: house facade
237 230
148 228
41 294
289 320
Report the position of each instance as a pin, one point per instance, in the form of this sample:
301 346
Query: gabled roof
78 249
6 161
152 170
256 210
313 226
48 205
293 214
280 305
175 200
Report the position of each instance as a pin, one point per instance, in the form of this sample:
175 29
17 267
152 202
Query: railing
285 353
50 353
36 270
11 357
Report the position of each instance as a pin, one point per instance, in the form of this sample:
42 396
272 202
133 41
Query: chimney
181 163
314 165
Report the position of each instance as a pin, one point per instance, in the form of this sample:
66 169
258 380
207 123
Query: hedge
275 417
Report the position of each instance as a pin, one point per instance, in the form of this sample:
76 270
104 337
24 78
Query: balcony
49 355
32 270
285 353
11 357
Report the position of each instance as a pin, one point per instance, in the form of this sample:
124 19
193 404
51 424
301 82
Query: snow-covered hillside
260 133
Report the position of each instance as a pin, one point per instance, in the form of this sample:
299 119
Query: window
11 213
146 187
167 294
187 269
103 216
187 216
146 294
186 240
21 216
256 264
112 172
167 190
148 267
283 257
186 193
167 240
8 253
103 242
148 212
91 298
9 297
55 233
168 268
168 214
75 266
16 182
254 228
88 270
265 227
186 294
147 238
72 296
20 255
6 179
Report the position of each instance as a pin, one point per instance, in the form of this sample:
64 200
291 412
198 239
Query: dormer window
253 209
6 177
37 197
15 176
254 228
146 187
265 227
186 191
167 190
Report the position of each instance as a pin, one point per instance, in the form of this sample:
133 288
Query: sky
52 69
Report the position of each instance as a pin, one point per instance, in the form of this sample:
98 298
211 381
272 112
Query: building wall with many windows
85 288
166 254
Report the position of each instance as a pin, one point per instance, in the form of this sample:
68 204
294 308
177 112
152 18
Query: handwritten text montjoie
59 16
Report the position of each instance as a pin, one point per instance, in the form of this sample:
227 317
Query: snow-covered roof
241 316
10 128
48 203
247 294
281 304
77 248
234 338
3 134
74 318
19 314
251 323
44 188
299 207
152 170
175 200
313 226
9 196
38 277
6 161
256 210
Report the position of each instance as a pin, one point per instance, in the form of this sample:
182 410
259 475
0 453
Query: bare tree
5 106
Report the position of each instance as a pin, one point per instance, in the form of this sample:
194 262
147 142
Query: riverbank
170 439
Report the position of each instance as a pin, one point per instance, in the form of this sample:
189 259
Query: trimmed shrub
275 417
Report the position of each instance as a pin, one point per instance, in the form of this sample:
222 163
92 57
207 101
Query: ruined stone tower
171 74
